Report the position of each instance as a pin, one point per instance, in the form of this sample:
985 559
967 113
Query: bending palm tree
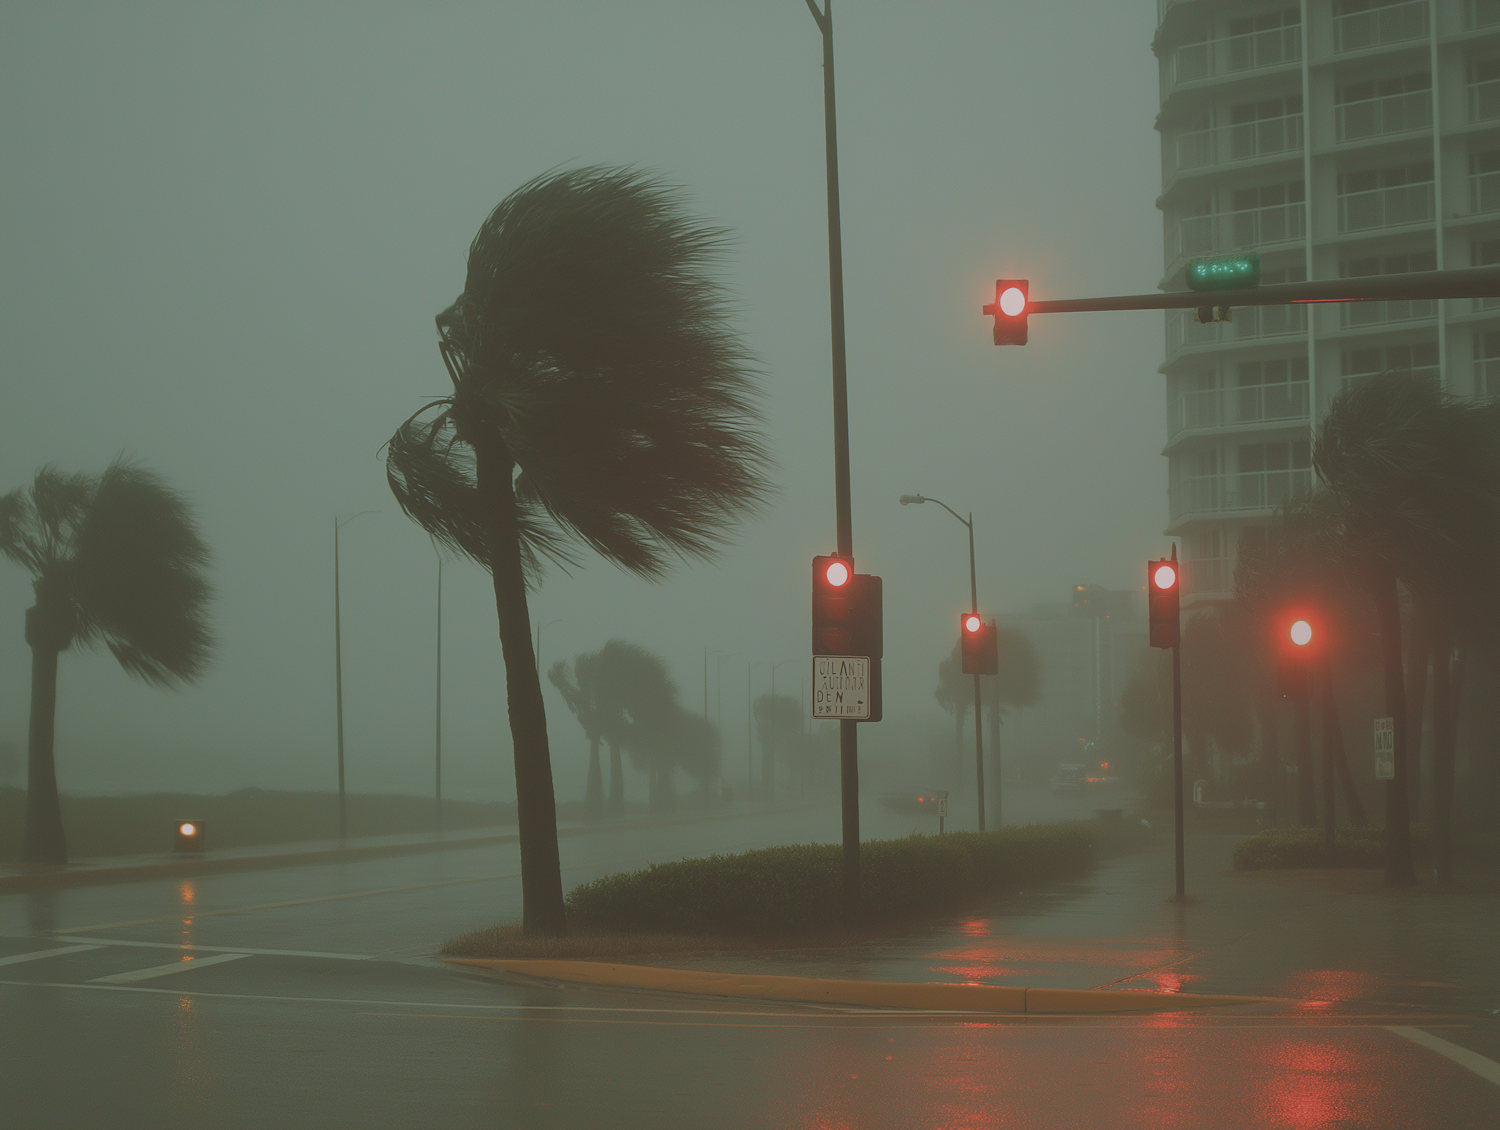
598 396
115 558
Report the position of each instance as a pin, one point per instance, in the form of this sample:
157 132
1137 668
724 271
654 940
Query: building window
1259 128
1271 474
1420 359
1487 365
1375 313
1484 181
1292 455
1382 106
1485 253
1205 565
1264 40
1482 82
1380 198
1358 24
1272 213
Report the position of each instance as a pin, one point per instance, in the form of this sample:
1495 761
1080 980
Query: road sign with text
1385 749
842 688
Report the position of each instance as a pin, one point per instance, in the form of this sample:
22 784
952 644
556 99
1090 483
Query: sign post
1385 749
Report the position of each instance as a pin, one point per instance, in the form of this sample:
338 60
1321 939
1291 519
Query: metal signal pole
848 731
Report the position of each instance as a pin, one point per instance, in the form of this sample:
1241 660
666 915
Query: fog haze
227 229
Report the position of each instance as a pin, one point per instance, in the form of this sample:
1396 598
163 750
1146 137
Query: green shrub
1303 847
796 889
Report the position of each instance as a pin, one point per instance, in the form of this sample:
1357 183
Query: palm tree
114 558
1414 471
599 396
580 690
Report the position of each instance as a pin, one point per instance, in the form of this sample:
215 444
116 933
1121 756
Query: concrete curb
880 994
189 866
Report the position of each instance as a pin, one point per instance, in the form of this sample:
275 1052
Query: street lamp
908 500
338 663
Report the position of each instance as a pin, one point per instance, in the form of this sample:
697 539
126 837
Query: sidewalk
1329 936
262 857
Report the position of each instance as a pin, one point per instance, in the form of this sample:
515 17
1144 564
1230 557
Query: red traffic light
1301 633
972 623
1163 592
187 835
1012 300
837 573
1164 576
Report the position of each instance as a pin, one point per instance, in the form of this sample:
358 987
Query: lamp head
908 499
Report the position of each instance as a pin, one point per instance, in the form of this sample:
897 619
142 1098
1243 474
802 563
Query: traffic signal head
977 649
847 610
1163 587
1012 299
1298 640
1224 272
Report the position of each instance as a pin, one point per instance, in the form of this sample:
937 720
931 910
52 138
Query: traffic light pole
1177 767
848 731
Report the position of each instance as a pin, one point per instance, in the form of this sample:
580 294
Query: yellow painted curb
941 996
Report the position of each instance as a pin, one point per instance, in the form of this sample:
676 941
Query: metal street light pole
906 500
437 763
749 731
539 629
843 505
338 665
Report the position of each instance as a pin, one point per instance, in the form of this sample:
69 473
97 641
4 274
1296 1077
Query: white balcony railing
1233 54
1249 322
1386 207
1252 490
1376 117
1354 314
1232 231
1238 142
1375 27
1484 99
1421 373
1231 407
1481 13
1484 192
1482 304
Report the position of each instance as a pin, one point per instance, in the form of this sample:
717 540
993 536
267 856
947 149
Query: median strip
936 996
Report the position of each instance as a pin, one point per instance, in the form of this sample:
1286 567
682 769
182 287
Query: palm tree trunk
1333 737
536 806
1446 687
616 781
1307 801
1398 861
44 840
594 797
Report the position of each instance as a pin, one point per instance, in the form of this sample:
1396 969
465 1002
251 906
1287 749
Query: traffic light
978 646
1298 640
1012 297
1163 587
847 616
188 836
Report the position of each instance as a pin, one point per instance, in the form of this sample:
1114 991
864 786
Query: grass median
780 896
1287 848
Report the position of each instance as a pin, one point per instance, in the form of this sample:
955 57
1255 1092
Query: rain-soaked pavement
308 997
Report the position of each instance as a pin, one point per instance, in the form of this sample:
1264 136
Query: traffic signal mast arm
1465 282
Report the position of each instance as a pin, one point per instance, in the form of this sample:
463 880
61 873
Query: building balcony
1421 372
1386 207
1487 378
1234 54
1250 323
1236 407
1481 13
1376 27
1357 315
1483 99
1222 145
1484 193
1238 231
1378 117
1207 575
1227 494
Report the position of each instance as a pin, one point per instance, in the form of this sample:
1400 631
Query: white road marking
37 955
1486 1069
221 949
163 970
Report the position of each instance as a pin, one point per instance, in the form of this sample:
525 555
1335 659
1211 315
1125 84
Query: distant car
1076 778
914 802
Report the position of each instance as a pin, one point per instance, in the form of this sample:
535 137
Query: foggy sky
227 229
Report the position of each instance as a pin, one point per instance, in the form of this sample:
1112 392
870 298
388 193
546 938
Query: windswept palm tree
581 691
1414 471
115 559
599 396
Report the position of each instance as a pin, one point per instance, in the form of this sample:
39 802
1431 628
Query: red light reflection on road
1311 1084
975 928
1319 987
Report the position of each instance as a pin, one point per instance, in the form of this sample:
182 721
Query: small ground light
189 835
1301 633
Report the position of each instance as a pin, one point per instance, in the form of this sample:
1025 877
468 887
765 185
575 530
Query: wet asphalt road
310 998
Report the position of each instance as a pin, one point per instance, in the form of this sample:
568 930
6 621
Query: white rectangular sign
1385 749
841 686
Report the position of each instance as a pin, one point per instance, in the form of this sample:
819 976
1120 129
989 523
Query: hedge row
796 889
1303 847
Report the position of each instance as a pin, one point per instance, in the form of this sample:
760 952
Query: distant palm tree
115 558
599 396
581 691
1415 473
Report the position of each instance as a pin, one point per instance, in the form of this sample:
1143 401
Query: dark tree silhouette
581 691
114 558
599 396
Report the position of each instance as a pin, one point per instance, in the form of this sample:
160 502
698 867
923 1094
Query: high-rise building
1336 138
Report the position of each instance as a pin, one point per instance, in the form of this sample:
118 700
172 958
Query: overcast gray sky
227 228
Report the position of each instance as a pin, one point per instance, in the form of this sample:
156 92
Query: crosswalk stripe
37 955
163 970
1478 1064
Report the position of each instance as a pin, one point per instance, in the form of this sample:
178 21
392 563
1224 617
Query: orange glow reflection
187 892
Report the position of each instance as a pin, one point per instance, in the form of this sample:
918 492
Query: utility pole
843 507
437 762
338 666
